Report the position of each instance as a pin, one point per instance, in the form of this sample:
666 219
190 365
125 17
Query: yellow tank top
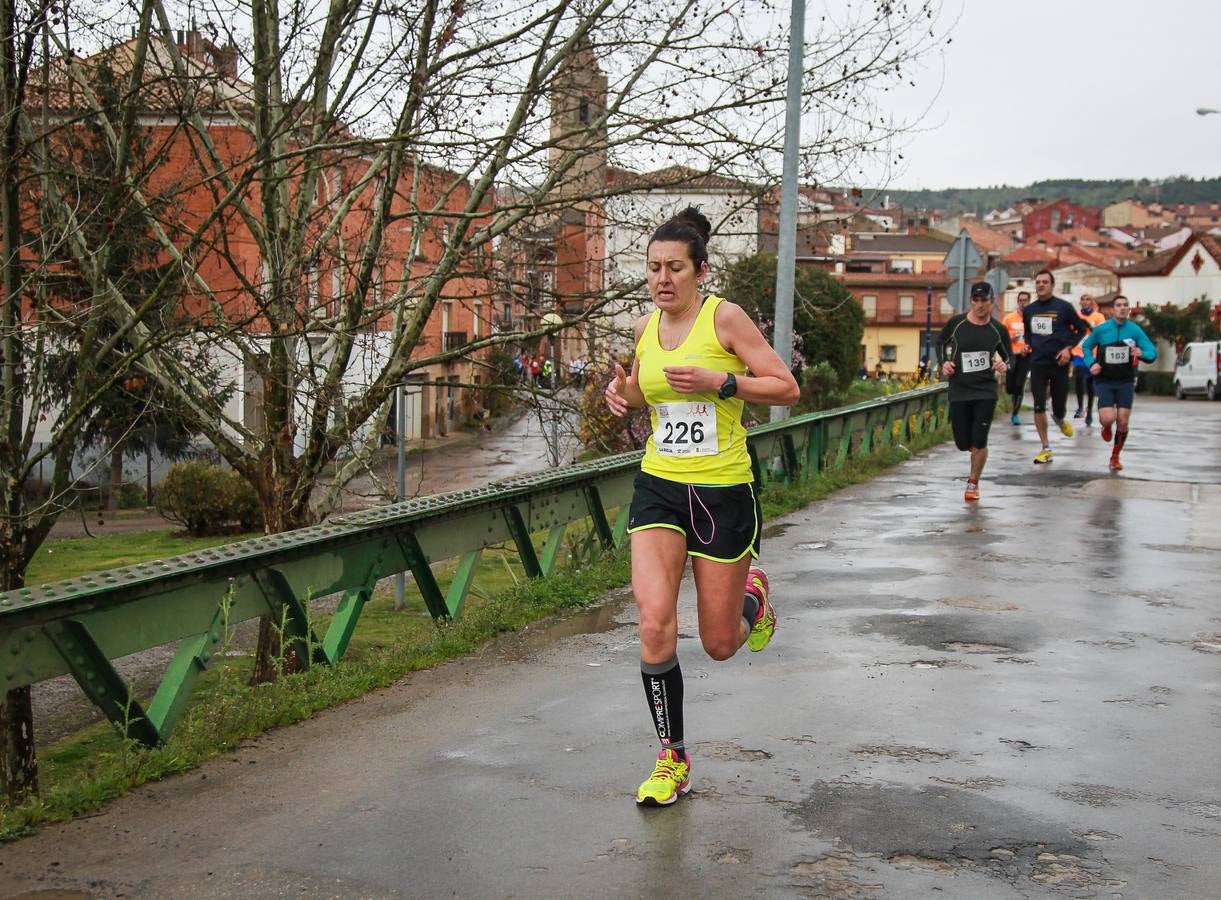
681 447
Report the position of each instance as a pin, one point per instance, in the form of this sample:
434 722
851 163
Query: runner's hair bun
696 220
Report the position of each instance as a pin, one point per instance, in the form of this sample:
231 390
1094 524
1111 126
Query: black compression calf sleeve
663 687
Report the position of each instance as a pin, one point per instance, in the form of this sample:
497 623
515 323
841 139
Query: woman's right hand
615 401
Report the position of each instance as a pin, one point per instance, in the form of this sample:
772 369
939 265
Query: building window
1066 287
906 305
476 315
889 353
946 307
870 302
583 112
902 266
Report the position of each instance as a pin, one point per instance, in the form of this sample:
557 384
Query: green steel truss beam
77 626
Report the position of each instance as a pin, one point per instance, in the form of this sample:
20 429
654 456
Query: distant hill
1089 193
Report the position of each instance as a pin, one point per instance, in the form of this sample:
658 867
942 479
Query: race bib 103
686 429
1117 355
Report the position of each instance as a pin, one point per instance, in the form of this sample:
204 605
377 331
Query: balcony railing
452 340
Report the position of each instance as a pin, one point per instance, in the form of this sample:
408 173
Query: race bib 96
1041 324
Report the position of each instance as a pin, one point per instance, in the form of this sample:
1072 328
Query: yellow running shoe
1043 456
765 626
1066 428
671 779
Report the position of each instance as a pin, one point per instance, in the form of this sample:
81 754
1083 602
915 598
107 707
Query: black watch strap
729 388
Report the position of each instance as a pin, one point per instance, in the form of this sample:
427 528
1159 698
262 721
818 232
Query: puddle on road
1207 643
963 632
606 617
814 545
849 572
729 751
906 754
977 603
942 829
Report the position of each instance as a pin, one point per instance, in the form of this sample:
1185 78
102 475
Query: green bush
131 496
207 499
1159 383
821 387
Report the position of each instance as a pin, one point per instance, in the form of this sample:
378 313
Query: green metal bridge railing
78 626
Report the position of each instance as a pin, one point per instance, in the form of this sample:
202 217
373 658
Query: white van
1199 370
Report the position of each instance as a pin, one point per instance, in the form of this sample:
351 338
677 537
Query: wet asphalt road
1016 699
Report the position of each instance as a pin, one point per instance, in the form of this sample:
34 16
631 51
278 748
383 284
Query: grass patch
96 765
69 557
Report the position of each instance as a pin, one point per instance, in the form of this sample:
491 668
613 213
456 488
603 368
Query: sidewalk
436 463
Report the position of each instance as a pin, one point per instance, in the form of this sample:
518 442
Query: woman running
694 495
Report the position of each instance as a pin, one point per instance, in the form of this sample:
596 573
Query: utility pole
786 247
928 334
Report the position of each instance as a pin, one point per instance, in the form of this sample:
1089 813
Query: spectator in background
1015 378
1083 381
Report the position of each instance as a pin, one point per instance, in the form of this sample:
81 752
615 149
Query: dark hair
1022 294
1119 297
692 228
1046 272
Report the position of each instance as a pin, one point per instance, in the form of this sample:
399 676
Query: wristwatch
729 388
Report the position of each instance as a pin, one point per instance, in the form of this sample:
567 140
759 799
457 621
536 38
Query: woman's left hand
693 379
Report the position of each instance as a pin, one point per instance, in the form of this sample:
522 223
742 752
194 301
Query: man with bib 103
972 347
1112 351
697 359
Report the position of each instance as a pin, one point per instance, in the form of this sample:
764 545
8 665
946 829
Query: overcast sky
1068 89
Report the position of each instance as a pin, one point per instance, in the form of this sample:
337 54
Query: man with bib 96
697 360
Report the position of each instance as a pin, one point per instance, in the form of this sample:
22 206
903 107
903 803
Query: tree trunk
18 762
116 479
271 659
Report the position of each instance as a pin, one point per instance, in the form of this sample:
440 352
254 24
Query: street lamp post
400 413
554 319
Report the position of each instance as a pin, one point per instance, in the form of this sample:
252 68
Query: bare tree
348 172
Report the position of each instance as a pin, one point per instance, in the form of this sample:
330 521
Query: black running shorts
1053 378
720 522
970 421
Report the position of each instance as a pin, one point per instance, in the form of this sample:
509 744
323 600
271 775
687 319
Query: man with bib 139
697 360
972 347
1112 351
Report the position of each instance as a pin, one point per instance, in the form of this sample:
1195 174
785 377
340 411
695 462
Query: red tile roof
893 279
1162 263
676 177
203 87
1027 253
